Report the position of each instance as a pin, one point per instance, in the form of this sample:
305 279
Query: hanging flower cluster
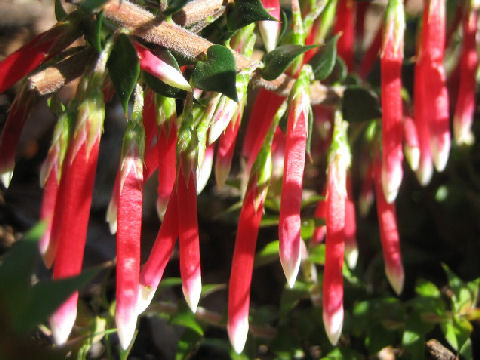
182 116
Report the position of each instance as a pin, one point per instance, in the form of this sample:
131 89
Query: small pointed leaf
244 12
59 11
217 73
174 6
324 60
278 60
124 68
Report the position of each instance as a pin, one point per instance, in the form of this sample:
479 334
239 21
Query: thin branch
320 94
156 31
52 78
197 14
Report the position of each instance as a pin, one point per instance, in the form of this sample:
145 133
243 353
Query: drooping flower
152 270
159 68
11 131
291 197
351 248
463 118
339 161
387 220
77 185
50 175
411 147
391 69
345 24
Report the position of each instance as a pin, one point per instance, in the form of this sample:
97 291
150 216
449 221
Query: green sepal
166 109
134 140
60 13
245 12
308 147
217 72
278 60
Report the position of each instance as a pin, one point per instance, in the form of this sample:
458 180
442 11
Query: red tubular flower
188 235
265 106
152 270
224 112
351 249
157 67
362 8
167 140
391 69
436 98
50 175
387 220
166 151
74 207
34 53
269 30
10 136
339 160
411 146
278 152
344 23
129 215
425 166
151 162
291 197
242 266
464 110
226 146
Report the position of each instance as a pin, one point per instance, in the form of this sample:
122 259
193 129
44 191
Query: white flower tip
269 31
111 218
424 173
463 134
203 173
333 325
145 296
192 294
176 79
396 279
161 207
351 256
61 324
440 154
390 185
6 177
126 329
413 157
290 268
238 334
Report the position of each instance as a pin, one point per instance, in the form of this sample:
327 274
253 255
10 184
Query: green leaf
308 145
169 282
187 344
359 105
211 288
174 6
339 72
217 73
268 254
285 25
269 220
46 296
93 31
324 60
307 228
60 13
185 317
244 12
90 5
313 199
316 254
124 68
278 60
16 269
427 289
